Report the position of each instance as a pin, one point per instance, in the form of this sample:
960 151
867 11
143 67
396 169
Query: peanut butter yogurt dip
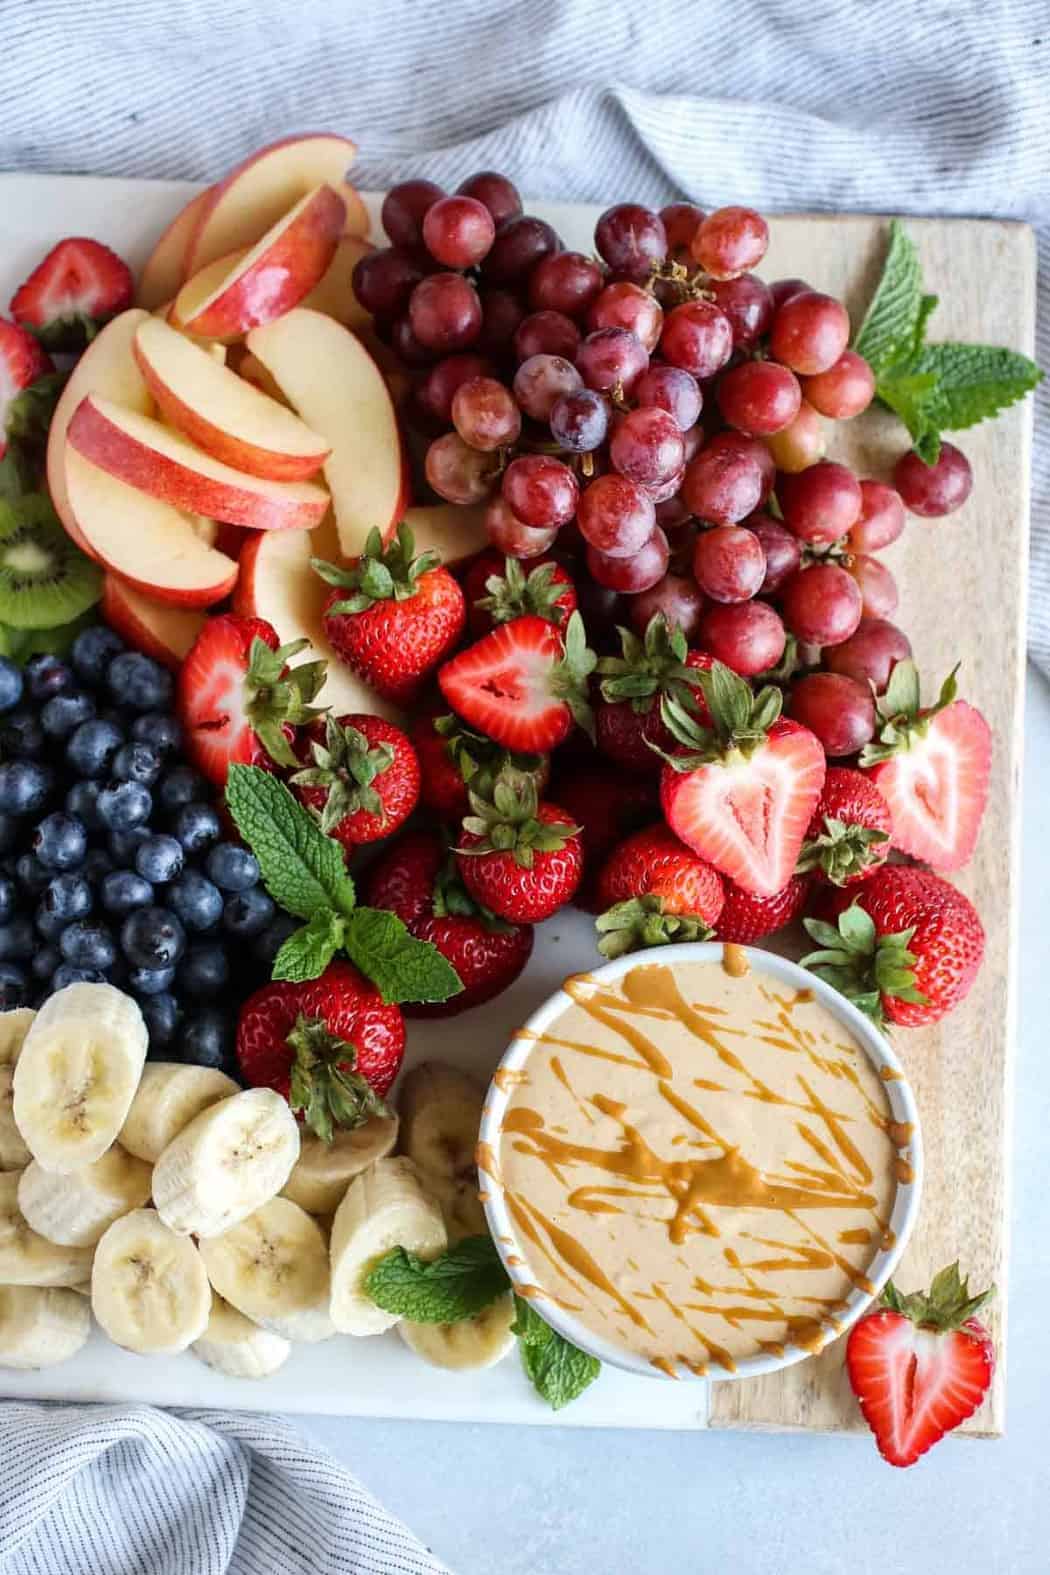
699 1163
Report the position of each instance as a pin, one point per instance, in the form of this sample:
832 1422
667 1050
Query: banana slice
169 1095
77 1210
27 1258
149 1288
233 1345
230 1160
323 1171
385 1207
273 1268
40 1328
477 1342
14 1026
440 1109
77 1074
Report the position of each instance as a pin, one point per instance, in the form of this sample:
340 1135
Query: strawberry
906 949
519 858
401 617
22 362
525 684
606 809
932 767
746 917
237 700
416 878
920 1365
79 286
653 890
362 779
628 725
451 756
849 835
741 792
499 589
331 1046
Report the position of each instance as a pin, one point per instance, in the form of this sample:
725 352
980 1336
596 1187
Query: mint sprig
459 1284
401 968
558 1370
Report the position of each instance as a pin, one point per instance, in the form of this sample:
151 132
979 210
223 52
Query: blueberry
88 944
123 845
96 866
160 730
160 859
181 786
91 749
196 901
124 805
197 826
21 736
93 650
8 898
137 763
10 833
45 960
247 913
46 676
17 942
152 938
163 1015
32 876
11 684
123 891
139 683
207 1040
270 941
204 972
24 786
68 974
14 987
82 801
232 868
150 981
65 898
62 715
60 841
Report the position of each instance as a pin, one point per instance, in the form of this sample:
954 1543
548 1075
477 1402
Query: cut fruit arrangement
645 636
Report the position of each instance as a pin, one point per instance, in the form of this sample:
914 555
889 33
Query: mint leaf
307 953
304 871
558 1370
973 382
462 1282
401 968
912 396
897 307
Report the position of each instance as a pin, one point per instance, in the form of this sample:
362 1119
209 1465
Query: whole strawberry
416 878
499 589
748 917
22 363
331 1046
451 756
519 858
849 835
392 617
362 781
907 947
653 890
525 684
607 808
628 725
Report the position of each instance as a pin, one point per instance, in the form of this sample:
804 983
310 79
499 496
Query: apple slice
219 411
158 629
165 268
277 583
274 275
453 531
256 194
335 294
328 376
158 461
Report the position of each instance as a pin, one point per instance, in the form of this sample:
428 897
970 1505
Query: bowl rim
903 1109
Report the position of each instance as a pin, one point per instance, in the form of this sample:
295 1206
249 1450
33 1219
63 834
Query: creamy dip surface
700 1163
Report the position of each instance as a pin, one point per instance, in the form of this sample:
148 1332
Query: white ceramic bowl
899 1096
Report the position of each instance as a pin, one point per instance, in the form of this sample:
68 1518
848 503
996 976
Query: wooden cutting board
962 599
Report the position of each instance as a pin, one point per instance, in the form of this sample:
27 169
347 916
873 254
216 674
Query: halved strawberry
741 792
932 766
22 362
920 1365
238 701
79 286
525 684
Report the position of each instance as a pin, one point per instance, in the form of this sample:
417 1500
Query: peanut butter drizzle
889 1074
514 1261
597 1006
734 960
663 1365
571 1252
508 1077
900 1133
859 1237
712 1347
563 1078
485 1159
903 1170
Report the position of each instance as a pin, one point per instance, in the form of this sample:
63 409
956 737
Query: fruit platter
409 604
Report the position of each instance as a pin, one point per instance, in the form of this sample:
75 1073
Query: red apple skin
164 632
164 270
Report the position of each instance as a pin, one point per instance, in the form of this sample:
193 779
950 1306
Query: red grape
406 346
871 654
759 398
546 333
458 473
722 488
810 332
730 241
612 358
783 551
445 312
933 490
681 220
627 305
403 210
647 446
511 536
844 390
458 231
664 491
384 279
729 563
669 388
881 518
747 636
632 575
878 588
579 421
820 503
748 304
501 312
840 711
801 444
728 442
631 239
693 437
541 381
541 491
677 597
783 289
499 195
821 604
435 393
485 415
564 282
616 516
519 245
698 337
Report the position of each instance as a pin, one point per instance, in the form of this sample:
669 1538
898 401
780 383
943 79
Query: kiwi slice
45 580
